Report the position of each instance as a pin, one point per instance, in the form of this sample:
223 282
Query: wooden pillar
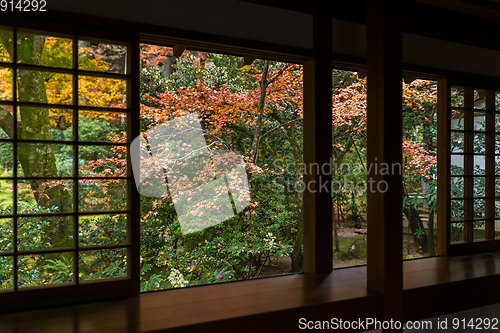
443 156
317 231
384 153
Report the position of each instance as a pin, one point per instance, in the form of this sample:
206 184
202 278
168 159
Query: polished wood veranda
276 304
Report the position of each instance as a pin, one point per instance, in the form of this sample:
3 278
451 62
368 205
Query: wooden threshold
433 286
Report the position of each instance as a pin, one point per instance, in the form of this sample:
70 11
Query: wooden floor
275 304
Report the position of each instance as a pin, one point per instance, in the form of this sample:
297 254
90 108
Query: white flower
177 279
270 240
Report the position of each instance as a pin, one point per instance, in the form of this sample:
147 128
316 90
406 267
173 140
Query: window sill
432 287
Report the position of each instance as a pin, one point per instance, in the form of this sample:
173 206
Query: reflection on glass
94 126
457 209
497 229
102 229
102 161
478 232
457 232
44 160
102 57
6 273
457 187
5 39
6 235
6 87
457 165
479 164
42 50
44 232
7 120
6 197
43 269
102 92
457 96
479 99
45 196
479 121
44 87
39 123
100 264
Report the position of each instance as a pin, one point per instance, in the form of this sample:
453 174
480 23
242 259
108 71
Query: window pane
457 119
102 229
479 164
6 235
44 160
38 123
457 164
497 229
103 161
102 92
497 186
457 209
44 87
479 121
6 273
42 269
6 156
457 142
479 144
497 101
479 186
94 126
457 187
102 195
7 121
457 97
497 119
44 232
5 42
102 57
45 196
6 87
479 99
479 208
457 232
478 231
42 50
6 197
100 264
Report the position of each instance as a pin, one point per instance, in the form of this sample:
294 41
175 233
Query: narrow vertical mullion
76 242
14 157
490 166
443 171
133 197
468 164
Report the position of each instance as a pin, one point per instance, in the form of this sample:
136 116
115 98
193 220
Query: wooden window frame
79 291
446 246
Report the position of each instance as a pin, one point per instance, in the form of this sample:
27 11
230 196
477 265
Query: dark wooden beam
318 248
384 150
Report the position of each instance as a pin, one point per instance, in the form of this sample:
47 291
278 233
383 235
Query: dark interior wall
232 18
229 18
